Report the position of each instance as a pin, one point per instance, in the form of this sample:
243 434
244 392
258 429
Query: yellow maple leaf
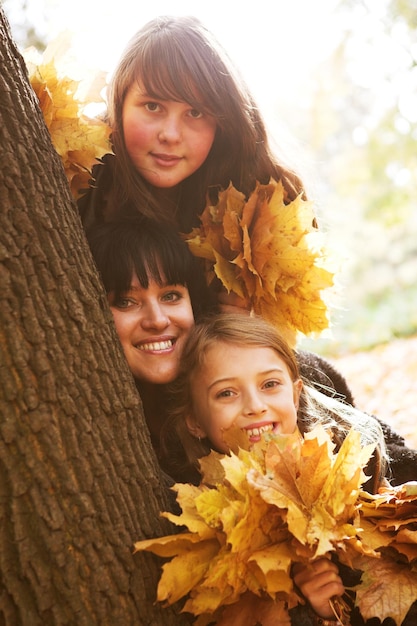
268 252
274 562
187 495
79 139
183 573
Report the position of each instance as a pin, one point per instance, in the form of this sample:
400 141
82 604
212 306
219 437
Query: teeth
256 432
157 345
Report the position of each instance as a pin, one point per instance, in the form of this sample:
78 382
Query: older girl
184 124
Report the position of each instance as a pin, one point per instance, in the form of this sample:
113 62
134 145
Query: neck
153 401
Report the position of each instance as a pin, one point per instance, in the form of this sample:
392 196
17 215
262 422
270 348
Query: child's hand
319 582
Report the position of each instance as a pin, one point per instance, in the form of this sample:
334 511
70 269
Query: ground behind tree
384 383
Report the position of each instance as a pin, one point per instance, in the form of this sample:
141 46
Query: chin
163 379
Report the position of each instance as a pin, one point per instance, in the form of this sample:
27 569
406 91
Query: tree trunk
79 482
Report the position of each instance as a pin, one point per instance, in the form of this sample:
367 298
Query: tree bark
79 482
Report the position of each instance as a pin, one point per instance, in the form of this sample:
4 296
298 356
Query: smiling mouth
257 432
156 346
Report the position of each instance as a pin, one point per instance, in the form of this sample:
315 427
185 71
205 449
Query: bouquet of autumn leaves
268 252
288 500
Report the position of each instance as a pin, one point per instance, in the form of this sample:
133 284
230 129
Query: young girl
238 373
183 124
212 393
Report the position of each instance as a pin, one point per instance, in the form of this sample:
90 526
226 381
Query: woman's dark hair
152 251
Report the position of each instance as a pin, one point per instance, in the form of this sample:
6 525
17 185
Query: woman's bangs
166 266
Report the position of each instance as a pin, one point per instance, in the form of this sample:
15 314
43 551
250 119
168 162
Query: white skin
166 140
153 325
251 388
246 387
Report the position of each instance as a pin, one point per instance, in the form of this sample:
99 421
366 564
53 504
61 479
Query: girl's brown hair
177 58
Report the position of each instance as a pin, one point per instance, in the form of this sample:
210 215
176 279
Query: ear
297 387
194 428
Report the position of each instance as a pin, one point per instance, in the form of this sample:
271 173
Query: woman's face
153 325
166 140
246 387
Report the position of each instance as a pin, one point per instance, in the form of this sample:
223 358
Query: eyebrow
229 379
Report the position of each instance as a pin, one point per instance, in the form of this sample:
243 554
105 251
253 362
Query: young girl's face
153 325
166 140
246 387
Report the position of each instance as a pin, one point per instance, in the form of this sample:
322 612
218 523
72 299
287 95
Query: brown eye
152 106
196 114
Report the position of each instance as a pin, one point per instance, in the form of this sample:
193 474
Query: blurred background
337 82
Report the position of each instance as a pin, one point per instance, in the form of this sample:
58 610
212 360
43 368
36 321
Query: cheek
292 417
186 318
136 133
203 143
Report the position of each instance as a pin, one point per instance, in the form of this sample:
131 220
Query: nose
170 131
154 317
253 404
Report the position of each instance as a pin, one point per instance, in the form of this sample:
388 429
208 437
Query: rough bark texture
78 479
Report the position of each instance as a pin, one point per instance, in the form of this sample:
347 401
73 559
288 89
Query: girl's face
153 325
245 387
166 140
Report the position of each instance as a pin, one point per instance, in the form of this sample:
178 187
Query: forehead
236 359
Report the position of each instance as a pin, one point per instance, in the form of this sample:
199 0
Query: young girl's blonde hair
314 407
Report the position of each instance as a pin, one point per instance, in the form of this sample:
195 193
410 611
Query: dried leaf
79 140
387 589
269 253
